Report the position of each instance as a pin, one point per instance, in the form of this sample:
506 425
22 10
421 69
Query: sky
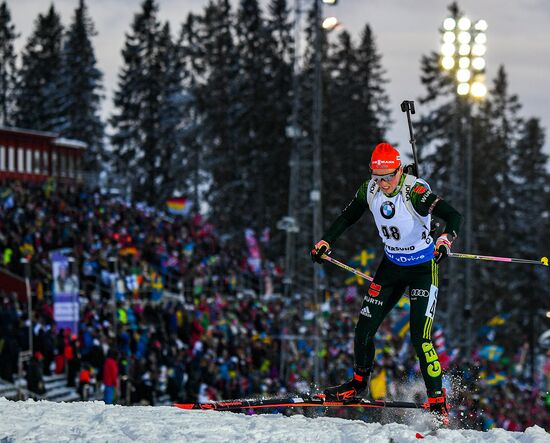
92 422
518 36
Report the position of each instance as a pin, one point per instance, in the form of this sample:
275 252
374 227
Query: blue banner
65 293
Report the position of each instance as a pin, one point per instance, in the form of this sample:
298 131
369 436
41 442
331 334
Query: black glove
320 248
443 247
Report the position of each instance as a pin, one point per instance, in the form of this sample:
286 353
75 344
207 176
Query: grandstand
183 315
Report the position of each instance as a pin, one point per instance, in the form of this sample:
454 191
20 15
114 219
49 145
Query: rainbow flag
178 206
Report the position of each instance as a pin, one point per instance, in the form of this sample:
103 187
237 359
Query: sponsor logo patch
374 290
419 189
373 301
387 210
365 311
415 293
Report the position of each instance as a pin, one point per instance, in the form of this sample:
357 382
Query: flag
404 303
498 320
360 263
351 294
157 287
491 352
378 386
266 235
254 257
178 206
496 379
128 250
401 326
441 348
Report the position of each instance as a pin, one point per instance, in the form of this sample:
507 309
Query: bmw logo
387 210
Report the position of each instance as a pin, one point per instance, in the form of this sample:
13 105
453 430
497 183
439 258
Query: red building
36 156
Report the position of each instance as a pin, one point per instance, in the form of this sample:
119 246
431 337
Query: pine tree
357 107
280 49
256 115
171 153
191 55
8 70
218 103
528 188
40 92
374 97
492 182
145 135
82 88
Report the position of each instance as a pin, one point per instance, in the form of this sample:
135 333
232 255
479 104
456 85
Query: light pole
316 191
463 47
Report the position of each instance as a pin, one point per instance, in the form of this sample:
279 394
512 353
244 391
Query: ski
298 402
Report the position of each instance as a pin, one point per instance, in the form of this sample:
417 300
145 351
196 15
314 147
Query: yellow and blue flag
361 262
491 352
401 326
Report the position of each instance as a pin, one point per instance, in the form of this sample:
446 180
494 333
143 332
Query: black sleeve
452 218
426 202
348 217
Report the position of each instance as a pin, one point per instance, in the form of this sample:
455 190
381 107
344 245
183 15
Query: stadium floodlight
330 23
463 75
464 50
463 47
449 37
448 49
481 25
478 63
464 62
479 50
478 89
448 63
464 37
463 88
481 38
449 24
464 24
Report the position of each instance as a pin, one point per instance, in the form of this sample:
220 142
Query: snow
45 421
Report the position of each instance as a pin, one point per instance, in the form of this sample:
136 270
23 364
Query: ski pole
408 107
543 261
346 267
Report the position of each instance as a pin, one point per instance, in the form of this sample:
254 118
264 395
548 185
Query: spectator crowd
169 306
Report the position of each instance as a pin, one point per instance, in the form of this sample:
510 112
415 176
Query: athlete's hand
443 247
320 248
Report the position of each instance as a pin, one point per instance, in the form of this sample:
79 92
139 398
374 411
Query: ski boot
350 389
437 401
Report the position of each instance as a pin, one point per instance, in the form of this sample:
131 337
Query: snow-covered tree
146 118
8 69
82 88
40 97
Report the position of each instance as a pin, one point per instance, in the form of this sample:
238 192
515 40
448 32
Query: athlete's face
387 179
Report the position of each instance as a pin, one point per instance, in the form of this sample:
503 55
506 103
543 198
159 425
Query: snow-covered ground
44 421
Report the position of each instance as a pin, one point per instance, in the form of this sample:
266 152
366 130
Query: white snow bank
44 421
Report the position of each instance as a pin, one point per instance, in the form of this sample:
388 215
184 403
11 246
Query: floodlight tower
463 49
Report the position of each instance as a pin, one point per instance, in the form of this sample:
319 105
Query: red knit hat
385 156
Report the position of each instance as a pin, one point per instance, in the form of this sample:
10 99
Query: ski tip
544 261
419 435
184 405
